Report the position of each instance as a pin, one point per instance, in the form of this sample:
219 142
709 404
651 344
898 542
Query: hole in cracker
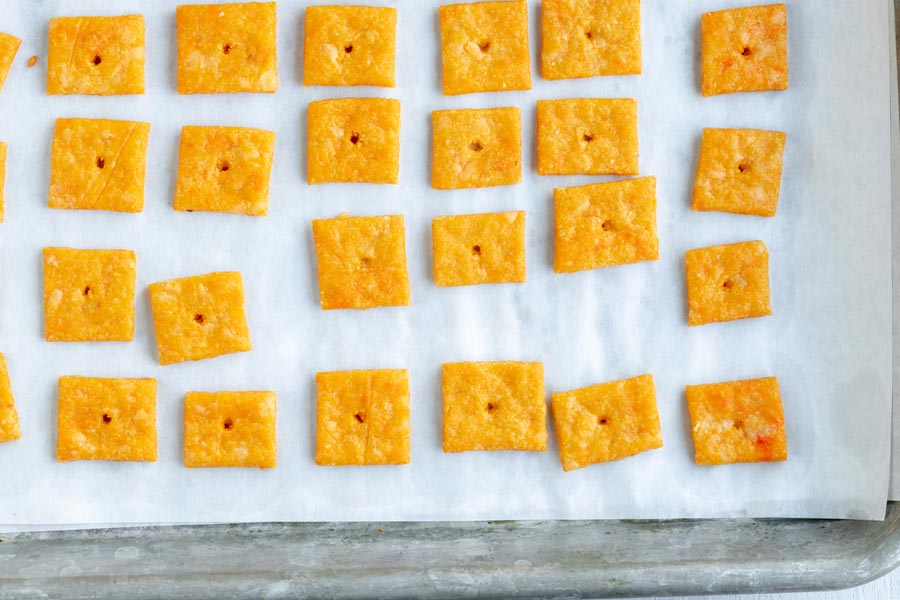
226 49
101 162
588 137
743 167
603 420
87 290
97 60
228 424
606 225
589 35
738 424
354 138
728 284
476 146
365 262
476 250
484 45
348 48
199 318
360 417
747 51
224 166
106 418
491 407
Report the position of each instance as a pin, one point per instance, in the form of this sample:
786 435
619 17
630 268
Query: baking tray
493 559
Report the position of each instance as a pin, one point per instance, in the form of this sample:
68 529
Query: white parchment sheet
829 341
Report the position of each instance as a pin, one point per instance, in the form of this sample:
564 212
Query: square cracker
484 47
224 169
728 282
476 147
9 45
3 148
587 136
106 419
744 50
362 417
89 295
605 224
226 48
494 406
473 249
739 171
586 38
98 164
98 56
9 418
199 317
350 45
607 421
737 421
229 429
353 140
361 262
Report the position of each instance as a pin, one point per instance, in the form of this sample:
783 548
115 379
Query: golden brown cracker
607 421
475 249
494 406
106 419
727 282
199 317
362 417
586 38
226 48
224 169
350 45
230 429
605 224
476 147
98 164
484 47
587 136
737 422
100 56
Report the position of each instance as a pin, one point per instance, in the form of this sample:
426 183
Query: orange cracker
361 262
98 164
224 169
9 45
607 421
9 418
587 136
744 50
199 317
362 417
106 419
494 406
89 295
484 47
737 422
98 56
476 147
353 140
473 249
585 38
726 283
739 171
226 48
350 45
3 148
229 429
605 224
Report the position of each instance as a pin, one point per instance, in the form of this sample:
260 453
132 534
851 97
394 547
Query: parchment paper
829 341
